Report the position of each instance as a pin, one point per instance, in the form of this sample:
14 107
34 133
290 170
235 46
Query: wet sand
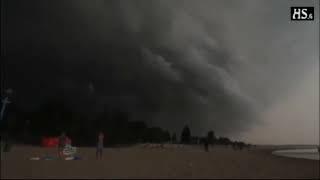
156 162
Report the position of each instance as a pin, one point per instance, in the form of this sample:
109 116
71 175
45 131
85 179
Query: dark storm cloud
169 62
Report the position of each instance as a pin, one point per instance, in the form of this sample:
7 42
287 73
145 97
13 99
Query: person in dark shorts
61 143
100 145
206 145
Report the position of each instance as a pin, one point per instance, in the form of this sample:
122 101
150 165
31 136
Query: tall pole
3 46
4 100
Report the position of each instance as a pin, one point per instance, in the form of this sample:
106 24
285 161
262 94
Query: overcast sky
241 68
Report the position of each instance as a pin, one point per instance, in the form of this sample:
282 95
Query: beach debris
54 158
47 157
35 158
69 158
72 158
162 146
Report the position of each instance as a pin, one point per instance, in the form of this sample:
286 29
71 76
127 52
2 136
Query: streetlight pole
3 44
4 92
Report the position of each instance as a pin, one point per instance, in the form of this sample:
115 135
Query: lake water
299 153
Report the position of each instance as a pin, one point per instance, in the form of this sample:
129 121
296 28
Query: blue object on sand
77 158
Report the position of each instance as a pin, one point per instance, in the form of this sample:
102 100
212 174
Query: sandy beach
147 162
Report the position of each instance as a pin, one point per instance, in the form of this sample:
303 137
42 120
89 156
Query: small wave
299 153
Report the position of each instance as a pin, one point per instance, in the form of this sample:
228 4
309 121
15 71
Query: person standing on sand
61 143
100 145
206 145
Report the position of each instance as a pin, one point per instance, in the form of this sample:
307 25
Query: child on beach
100 145
61 144
206 145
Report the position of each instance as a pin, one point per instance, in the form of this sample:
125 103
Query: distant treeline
210 139
54 118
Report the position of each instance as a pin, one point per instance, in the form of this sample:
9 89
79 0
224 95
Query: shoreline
310 154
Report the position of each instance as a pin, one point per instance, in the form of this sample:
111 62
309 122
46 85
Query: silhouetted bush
224 141
174 138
